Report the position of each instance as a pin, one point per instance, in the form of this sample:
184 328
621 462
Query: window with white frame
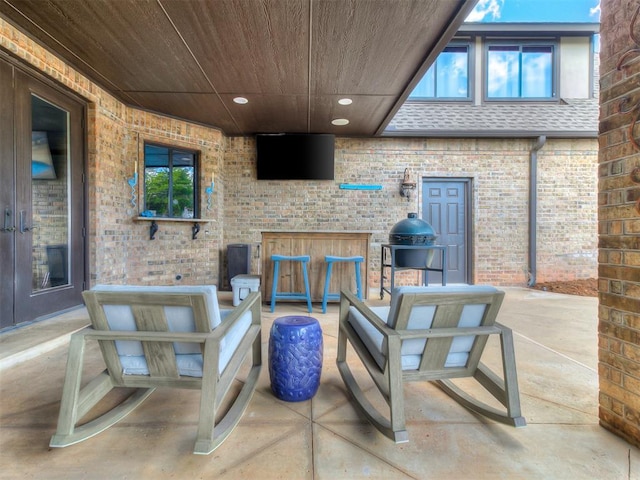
447 78
520 71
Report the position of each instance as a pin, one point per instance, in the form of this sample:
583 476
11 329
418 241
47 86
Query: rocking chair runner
162 337
427 333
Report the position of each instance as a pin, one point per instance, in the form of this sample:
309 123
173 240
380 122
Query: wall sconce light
407 185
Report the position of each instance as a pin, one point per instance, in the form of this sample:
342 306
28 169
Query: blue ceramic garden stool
295 357
336 295
275 295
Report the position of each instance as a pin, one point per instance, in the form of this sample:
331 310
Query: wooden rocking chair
162 337
427 333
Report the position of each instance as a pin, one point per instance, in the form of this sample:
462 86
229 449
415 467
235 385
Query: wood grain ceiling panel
271 113
369 52
203 108
256 47
291 58
125 45
371 47
363 113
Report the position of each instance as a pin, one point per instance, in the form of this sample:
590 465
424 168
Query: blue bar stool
336 296
304 259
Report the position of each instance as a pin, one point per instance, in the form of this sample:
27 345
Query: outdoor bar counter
316 244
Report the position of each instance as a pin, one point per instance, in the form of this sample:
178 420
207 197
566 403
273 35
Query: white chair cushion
421 317
369 335
179 319
233 337
397 293
191 364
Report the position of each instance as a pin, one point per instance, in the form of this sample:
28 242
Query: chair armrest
144 336
251 303
349 299
449 332
502 327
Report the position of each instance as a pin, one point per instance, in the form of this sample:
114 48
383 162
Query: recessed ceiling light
345 101
241 100
340 121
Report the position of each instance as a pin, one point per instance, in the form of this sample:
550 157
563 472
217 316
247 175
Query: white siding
575 71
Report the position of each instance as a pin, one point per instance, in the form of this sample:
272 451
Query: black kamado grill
412 231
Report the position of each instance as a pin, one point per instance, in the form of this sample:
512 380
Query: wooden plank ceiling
292 59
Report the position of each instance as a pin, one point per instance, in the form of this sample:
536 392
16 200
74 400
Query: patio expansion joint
369 452
261 449
566 357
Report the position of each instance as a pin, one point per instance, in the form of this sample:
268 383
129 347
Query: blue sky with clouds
565 11
494 11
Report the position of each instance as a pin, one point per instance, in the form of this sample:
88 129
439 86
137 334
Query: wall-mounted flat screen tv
295 156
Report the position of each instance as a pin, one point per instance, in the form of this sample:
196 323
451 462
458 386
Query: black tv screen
295 156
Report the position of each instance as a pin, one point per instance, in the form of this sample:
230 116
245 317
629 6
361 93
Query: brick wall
499 170
123 251
619 224
242 207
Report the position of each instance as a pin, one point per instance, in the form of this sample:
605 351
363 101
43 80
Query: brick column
619 219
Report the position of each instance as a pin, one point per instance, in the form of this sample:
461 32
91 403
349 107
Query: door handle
25 228
8 227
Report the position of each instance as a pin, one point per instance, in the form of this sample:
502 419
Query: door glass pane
49 222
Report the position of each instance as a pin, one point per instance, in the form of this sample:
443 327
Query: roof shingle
567 118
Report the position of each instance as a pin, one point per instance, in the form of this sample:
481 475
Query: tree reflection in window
170 181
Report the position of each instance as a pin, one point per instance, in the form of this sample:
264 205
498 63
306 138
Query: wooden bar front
316 245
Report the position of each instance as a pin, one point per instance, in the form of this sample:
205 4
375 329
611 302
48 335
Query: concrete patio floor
323 438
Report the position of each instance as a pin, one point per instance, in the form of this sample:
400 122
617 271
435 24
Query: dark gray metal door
42 266
444 206
7 196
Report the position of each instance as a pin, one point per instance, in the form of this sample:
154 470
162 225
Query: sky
565 11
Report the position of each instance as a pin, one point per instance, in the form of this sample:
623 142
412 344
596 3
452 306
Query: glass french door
42 270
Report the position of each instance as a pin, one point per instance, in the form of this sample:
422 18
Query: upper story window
170 181
447 78
520 71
